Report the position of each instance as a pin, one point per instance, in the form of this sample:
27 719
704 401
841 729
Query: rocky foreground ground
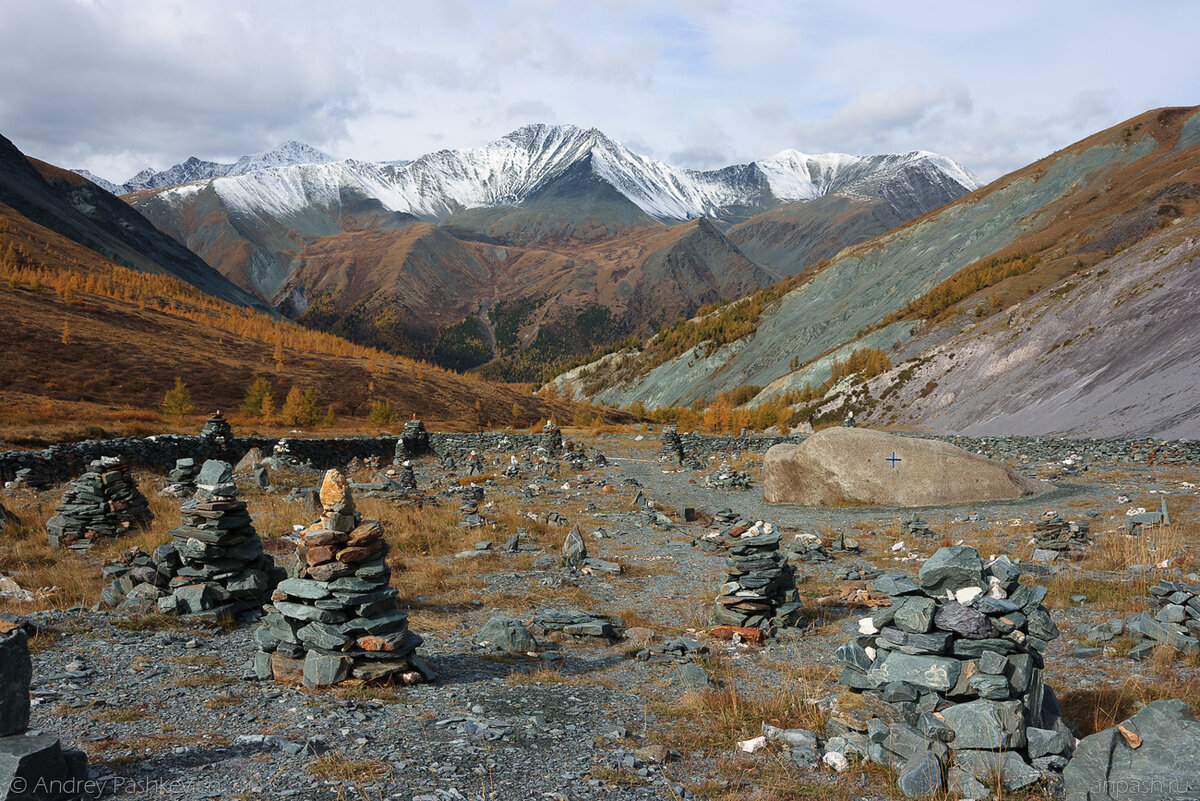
165 708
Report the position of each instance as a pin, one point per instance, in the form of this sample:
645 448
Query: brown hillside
130 334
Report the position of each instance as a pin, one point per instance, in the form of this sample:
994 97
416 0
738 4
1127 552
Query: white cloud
113 85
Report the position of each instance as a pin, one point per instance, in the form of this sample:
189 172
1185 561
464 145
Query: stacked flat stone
728 478
1175 621
472 497
953 666
576 623
217 430
475 465
35 477
182 478
407 478
335 617
103 502
916 526
1055 533
413 442
760 588
670 446
30 760
552 439
214 565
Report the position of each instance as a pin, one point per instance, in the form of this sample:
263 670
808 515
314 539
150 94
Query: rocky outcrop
856 466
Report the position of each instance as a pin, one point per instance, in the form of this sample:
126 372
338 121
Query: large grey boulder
16 672
1164 765
841 466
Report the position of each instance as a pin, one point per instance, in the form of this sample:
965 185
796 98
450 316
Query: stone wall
64 461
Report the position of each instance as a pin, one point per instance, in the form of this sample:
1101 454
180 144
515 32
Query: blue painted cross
893 459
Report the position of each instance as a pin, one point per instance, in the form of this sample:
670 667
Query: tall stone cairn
29 760
216 429
760 588
103 502
335 617
552 439
670 446
413 442
953 667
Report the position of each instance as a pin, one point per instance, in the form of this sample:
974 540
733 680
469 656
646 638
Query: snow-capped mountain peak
513 168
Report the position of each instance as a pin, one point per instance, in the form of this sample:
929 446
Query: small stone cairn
760 588
27 759
1055 533
917 526
335 618
552 440
670 446
217 430
472 496
1174 621
413 442
182 478
407 479
103 502
953 666
214 565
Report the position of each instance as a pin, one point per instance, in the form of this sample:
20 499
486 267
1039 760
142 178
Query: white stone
752 745
836 761
967 594
867 626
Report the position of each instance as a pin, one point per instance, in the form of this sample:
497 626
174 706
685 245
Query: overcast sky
117 85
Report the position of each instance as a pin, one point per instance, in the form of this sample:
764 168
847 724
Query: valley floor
162 707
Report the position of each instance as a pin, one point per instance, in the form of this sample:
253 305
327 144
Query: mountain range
1059 299
542 245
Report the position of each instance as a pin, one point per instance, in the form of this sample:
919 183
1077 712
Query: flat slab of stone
855 467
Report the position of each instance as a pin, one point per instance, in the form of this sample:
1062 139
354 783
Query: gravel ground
169 714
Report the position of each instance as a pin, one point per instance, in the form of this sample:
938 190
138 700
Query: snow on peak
514 167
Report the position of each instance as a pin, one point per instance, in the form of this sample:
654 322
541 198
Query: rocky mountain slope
1074 236
90 216
552 224
288 154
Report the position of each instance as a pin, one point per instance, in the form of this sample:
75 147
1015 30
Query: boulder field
860 467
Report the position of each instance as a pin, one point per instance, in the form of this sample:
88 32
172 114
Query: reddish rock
319 555
750 635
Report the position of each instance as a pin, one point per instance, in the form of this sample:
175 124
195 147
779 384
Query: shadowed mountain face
549 241
1034 305
84 213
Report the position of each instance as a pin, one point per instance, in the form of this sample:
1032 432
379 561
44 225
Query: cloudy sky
117 85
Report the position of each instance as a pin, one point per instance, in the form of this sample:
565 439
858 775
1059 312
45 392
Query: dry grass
120 715
336 766
1097 708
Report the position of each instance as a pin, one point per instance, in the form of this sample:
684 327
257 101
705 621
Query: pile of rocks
807 548
916 526
103 502
472 496
407 479
576 623
182 478
552 440
35 477
1175 621
954 665
214 565
30 760
1055 533
475 465
1142 518
217 430
728 478
670 446
760 589
413 441
335 617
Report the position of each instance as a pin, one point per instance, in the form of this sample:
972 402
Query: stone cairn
217 430
214 564
1174 621
953 666
182 478
760 589
1055 533
552 440
670 446
103 502
472 496
916 526
407 479
30 760
335 617
413 442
